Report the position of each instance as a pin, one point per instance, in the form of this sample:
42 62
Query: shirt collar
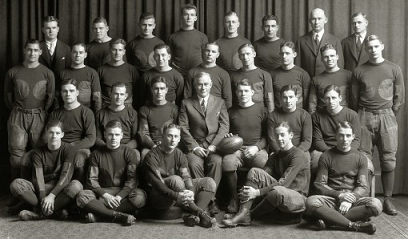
49 42
205 99
363 35
320 34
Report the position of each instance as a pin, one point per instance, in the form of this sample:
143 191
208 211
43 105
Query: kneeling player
167 172
112 181
51 189
341 183
283 183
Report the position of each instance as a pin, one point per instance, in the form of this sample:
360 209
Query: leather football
230 145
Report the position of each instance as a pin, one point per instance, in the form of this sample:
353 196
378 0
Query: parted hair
113 124
50 19
69 81
146 15
32 41
117 41
289 44
157 79
344 125
284 124
54 123
327 47
269 18
288 88
171 126
118 84
162 46
330 88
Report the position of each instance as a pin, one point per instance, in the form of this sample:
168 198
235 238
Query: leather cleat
90 218
125 218
367 227
389 208
213 208
229 215
27 215
191 220
242 218
206 220
320 225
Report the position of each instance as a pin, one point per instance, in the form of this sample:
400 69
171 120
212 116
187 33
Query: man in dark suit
354 54
56 55
204 122
308 45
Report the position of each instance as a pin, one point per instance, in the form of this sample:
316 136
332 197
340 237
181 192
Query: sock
97 207
231 179
61 201
331 216
387 179
30 198
264 207
203 198
126 206
359 213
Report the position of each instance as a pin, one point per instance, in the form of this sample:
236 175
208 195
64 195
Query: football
230 145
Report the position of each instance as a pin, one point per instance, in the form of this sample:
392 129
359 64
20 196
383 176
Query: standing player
51 188
175 81
29 93
289 74
229 44
140 50
167 171
111 189
220 78
186 43
282 184
247 120
79 124
354 54
58 54
333 75
87 78
341 186
308 45
260 80
268 47
155 115
377 92
117 70
98 49
298 119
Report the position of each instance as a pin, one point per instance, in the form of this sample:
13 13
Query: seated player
247 120
204 122
283 183
155 115
219 77
341 187
117 110
298 119
79 124
332 75
175 81
111 189
167 171
325 123
51 189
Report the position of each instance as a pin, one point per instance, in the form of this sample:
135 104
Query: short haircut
117 41
344 125
162 46
213 44
270 18
50 19
79 44
188 7
330 88
244 82
246 45
327 47
113 124
100 20
200 75
284 124
231 14
146 16
288 88
288 44
158 79
32 41
118 84
69 81
372 38
360 14
54 123
170 126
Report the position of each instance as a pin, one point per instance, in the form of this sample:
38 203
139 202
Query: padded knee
175 182
387 165
84 197
313 203
73 188
19 186
375 206
230 163
208 185
138 197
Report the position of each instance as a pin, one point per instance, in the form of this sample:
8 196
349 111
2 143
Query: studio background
22 19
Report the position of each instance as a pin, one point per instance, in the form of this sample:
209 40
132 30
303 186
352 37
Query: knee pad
209 185
230 163
313 203
138 197
19 186
387 165
84 197
375 206
73 188
175 182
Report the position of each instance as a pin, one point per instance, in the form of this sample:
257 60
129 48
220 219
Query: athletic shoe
367 227
206 220
388 208
27 215
191 220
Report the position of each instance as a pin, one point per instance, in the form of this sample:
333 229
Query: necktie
317 42
203 105
51 49
358 43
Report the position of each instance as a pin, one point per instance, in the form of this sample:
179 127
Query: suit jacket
351 57
61 59
199 128
310 59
